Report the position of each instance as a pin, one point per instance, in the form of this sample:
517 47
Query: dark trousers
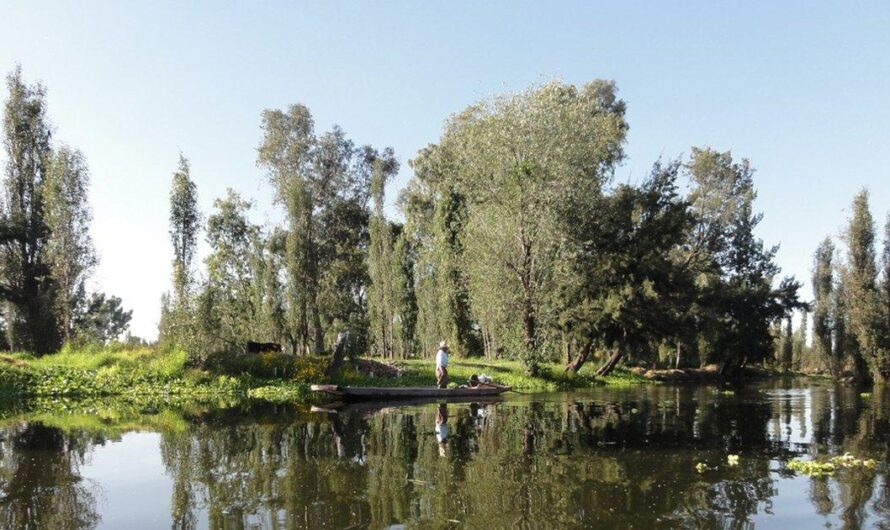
442 376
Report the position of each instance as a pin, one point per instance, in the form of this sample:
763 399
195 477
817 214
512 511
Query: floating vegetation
865 395
732 460
701 467
814 468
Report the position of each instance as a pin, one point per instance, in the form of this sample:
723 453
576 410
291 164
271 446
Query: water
605 459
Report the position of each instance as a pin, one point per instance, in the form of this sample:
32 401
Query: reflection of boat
409 392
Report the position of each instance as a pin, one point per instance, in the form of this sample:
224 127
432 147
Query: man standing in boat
442 365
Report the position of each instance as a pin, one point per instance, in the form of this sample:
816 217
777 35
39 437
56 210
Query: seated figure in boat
442 365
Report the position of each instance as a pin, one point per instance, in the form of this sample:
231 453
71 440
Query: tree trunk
573 365
528 324
679 354
610 365
338 355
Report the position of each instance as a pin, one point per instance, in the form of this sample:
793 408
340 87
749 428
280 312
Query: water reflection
605 459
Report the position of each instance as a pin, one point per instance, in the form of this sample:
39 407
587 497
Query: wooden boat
372 406
408 392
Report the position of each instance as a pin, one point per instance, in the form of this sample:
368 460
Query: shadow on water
602 458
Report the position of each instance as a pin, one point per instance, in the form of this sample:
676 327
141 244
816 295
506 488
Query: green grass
421 372
144 376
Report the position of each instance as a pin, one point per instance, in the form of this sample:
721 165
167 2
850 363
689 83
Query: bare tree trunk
679 354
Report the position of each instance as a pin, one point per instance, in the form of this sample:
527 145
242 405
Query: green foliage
70 246
27 285
145 375
823 312
865 318
102 319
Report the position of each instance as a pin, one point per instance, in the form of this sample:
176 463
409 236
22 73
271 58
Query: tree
620 291
787 345
70 246
862 294
177 327
823 286
800 355
436 213
103 319
185 220
380 259
734 270
500 174
232 273
404 295
315 178
28 286
885 289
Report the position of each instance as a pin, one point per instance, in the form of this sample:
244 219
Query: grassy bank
148 375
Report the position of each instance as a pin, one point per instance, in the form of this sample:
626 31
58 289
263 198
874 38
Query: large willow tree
496 182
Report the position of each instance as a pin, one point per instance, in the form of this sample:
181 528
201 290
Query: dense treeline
851 308
515 243
46 252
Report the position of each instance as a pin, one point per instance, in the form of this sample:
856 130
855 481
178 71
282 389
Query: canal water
636 457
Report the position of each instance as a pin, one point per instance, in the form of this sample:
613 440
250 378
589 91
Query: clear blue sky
799 88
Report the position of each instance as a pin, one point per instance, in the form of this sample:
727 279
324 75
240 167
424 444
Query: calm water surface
599 459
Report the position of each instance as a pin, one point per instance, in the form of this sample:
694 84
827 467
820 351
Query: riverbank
146 374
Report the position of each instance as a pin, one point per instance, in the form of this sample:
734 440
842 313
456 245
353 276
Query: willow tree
70 246
381 299
27 284
514 160
436 213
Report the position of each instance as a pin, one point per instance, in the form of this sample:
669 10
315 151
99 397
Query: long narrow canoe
355 392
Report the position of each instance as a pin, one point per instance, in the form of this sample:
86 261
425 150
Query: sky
799 88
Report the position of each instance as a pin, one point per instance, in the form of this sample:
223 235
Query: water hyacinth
732 460
814 469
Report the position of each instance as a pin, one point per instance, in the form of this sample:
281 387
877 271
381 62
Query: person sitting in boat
442 365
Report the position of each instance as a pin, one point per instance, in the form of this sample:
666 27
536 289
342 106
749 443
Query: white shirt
442 431
441 358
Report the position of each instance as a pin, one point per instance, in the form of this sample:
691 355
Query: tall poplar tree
176 327
28 286
862 295
70 246
185 220
823 286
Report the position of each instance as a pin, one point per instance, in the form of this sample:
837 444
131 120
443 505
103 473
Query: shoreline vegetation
148 376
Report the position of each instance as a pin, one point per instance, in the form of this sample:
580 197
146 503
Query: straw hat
443 345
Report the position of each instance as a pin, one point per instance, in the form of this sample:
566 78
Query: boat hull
357 393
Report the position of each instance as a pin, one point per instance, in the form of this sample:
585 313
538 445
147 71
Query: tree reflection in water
40 479
606 459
